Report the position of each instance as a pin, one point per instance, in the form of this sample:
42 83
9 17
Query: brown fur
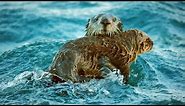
80 60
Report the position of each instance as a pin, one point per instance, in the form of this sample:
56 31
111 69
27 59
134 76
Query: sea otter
80 60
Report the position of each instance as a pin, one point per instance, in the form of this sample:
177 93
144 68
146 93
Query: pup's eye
142 44
114 19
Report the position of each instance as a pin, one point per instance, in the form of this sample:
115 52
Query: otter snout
150 43
105 21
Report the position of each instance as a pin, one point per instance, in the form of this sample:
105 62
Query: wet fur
81 59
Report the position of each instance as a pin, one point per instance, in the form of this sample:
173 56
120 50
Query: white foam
25 77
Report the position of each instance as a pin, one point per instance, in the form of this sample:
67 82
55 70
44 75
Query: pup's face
145 43
103 24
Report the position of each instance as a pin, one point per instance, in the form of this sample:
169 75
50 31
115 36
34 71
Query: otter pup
79 60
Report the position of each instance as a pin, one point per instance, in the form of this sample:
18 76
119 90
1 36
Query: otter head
145 43
103 24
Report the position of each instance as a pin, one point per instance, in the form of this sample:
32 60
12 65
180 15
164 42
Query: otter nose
105 21
150 41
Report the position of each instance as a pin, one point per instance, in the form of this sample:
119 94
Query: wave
144 77
31 34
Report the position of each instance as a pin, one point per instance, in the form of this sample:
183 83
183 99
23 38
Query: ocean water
32 32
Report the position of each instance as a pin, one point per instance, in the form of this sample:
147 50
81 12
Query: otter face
145 43
103 24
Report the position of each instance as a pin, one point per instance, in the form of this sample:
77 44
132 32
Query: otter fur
80 60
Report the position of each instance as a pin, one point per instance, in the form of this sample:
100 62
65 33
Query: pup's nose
150 41
105 21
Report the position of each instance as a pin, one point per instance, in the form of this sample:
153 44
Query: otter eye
96 19
114 19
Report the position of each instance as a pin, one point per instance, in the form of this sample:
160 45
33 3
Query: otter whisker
110 34
118 30
93 32
96 33
90 33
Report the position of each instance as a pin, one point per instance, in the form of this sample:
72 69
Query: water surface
32 32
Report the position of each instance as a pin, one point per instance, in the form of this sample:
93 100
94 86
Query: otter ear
87 23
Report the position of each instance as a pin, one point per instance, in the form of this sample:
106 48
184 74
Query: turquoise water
32 32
